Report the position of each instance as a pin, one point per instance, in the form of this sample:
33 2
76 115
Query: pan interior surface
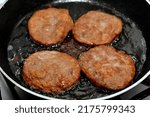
21 46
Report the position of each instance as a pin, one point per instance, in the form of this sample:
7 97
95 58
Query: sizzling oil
21 46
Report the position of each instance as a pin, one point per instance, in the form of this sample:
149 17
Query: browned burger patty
107 67
50 26
95 28
51 71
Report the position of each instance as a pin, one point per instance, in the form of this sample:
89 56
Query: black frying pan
16 44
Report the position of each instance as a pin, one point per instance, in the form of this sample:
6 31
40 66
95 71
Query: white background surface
7 108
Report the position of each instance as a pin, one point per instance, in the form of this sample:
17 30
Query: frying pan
134 40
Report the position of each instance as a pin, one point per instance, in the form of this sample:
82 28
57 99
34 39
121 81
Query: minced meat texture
50 26
108 67
96 28
51 71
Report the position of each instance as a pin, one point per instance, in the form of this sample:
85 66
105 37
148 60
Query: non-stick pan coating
21 46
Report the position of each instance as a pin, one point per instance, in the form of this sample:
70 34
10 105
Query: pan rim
47 97
51 98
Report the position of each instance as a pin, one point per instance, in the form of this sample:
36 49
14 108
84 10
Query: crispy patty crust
50 26
96 28
51 71
108 67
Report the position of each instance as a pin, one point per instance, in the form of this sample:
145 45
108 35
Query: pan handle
142 95
145 93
